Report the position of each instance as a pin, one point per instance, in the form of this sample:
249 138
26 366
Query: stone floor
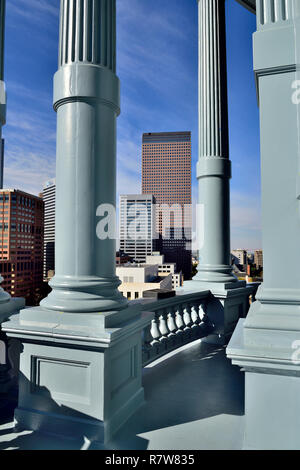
194 400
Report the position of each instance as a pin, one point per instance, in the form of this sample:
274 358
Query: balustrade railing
177 321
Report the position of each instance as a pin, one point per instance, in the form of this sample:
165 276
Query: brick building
21 243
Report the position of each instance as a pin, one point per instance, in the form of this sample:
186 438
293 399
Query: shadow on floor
183 392
193 385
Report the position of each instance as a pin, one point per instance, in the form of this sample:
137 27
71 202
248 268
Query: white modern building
137 279
137 225
49 227
165 269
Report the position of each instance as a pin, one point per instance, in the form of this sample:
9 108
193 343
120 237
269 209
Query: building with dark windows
21 243
137 226
166 173
258 259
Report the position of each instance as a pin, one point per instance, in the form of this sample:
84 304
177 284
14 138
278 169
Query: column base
84 295
272 387
216 288
78 380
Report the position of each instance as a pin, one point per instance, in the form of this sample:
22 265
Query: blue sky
157 65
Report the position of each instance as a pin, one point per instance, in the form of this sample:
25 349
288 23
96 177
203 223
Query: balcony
194 398
91 370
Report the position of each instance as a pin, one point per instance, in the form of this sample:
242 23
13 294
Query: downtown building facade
166 173
21 243
49 229
136 226
258 259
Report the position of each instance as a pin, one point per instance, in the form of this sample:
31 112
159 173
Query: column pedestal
78 381
267 344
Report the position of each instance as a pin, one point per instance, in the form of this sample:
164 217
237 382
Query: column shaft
4 297
86 98
214 166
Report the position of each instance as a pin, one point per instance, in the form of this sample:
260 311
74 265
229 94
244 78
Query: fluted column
4 297
214 166
86 98
80 367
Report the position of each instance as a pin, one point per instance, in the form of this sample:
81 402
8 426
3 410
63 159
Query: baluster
187 316
171 322
195 315
163 328
155 333
173 338
202 312
195 319
187 321
179 323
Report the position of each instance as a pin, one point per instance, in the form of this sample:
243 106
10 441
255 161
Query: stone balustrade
176 321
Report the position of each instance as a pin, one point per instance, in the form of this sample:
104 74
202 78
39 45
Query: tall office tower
166 173
49 229
258 258
21 243
136 225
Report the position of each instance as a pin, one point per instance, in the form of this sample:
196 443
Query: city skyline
148 56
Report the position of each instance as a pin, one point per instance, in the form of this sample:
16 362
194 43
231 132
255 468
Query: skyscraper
21 243
258 258
49 228
166 173
137 225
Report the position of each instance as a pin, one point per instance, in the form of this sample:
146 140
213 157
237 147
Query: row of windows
128 295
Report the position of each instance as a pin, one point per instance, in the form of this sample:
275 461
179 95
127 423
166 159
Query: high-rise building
21 242
166 173
49 228
258 258
136 221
